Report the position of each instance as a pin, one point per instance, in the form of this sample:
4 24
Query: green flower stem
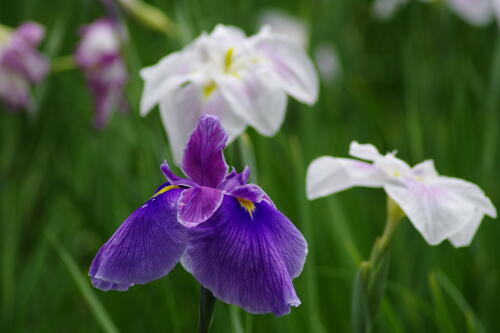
394 216
150 16
369 286
5 32
63 63
207 304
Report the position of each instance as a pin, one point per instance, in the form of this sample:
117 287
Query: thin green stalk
82 283
206 310
369 285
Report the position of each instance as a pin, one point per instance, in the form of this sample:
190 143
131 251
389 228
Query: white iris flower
244 81
439 207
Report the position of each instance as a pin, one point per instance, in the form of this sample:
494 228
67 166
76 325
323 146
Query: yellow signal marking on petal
228 60
208 89
247 204
165 189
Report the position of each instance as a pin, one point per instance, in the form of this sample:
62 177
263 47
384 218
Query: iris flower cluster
228 234
21 64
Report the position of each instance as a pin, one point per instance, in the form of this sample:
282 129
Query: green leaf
83 285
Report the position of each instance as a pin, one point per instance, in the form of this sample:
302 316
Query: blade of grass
473 321
442 316
82 283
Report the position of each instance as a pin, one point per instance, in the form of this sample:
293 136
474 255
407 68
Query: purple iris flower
99 56
21 64
228 234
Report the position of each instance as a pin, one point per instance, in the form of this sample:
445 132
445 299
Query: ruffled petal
364 151
248 259
291 66
162 78
234 180
203 159
256 99
249 192
436 211
425 169
173 178
197 204
181 108
144 248
464 236
327 175
469 192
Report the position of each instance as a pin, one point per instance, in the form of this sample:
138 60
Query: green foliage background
424 83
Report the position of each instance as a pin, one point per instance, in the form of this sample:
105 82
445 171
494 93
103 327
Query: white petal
181 109
287 25
327 175
476 12
496 8
257 100
436 211
290 65
328 62
385 9
469 192
222 31
464 236
162 78
425 169
364 151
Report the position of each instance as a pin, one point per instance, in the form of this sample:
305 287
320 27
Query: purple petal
30 32
144 248
249 192
234 180
173 178
247 259
198 204
203 159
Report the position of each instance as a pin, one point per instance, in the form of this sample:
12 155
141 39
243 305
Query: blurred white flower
385 9
328 62
242 80
439 207
287 25
475 12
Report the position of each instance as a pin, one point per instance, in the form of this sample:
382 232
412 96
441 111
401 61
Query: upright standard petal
145 247
247 259
256 99
197 204
290 65
203 159
327 175
194 102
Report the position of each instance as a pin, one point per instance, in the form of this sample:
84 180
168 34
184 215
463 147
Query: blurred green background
425 83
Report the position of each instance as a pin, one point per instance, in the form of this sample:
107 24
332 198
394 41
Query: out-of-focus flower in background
242 80
286 25
439 207
227 233
328 62
386 9
20 63
99 56
475 12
